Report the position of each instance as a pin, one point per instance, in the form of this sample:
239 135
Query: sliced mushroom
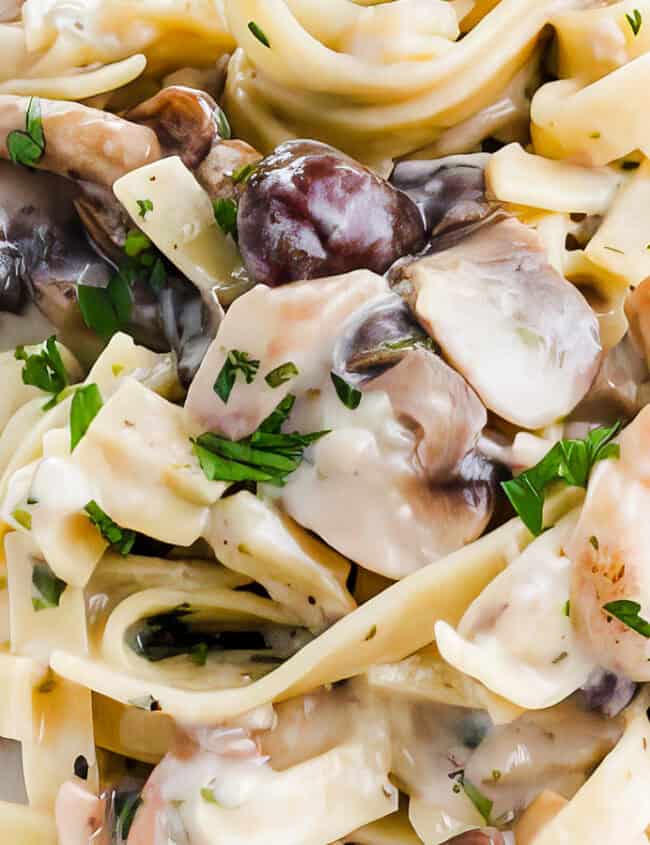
450 192
379 338
618 393
215 173
183 120
523 337
397 483
80 142
608 693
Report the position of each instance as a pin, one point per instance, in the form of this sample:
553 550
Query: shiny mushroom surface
523 337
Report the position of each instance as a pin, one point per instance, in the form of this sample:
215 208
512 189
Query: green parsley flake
136 241
44 370
236 362
208 795
635 20
347 393
107 310
223 125
47 589
243 173
267 456
225 213
480 801
628 612
199 654
570 461
28 147
23 518
259 33
144 206
121 538
86 404
282 374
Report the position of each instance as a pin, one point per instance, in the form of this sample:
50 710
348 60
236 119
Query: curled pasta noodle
382 111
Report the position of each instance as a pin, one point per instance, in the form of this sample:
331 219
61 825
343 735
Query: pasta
324 364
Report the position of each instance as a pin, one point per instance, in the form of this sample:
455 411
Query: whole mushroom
309 211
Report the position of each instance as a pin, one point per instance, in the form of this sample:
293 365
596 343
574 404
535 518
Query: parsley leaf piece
347 393
276 419
34 122
199 654
107 310
136 241
243 173
635 20
27 146
236 362
126 807
259 33
480 801
570 461
158 275
144 206
44 370
223 125
23 149
286 444
23 518
627 612
208 795
225 213
122 538
86 404
282 374
216 468
244 453
47 589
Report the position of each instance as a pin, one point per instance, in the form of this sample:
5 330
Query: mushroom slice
450 192
183 120
406 453
523 337
80 142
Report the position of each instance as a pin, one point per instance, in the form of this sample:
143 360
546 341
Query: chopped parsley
23 518
86 404
627 612
593 540
347 393
122 539
199 654
567 607
282 374
635 20
136 241
480 801
47 589
44 370
236 362
268 455
259 33
107 310
223 125
570 461
126 807
208 795
225 213
144 206
27 146
243 173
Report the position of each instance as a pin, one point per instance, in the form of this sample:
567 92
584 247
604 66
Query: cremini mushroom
81 142
523 337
